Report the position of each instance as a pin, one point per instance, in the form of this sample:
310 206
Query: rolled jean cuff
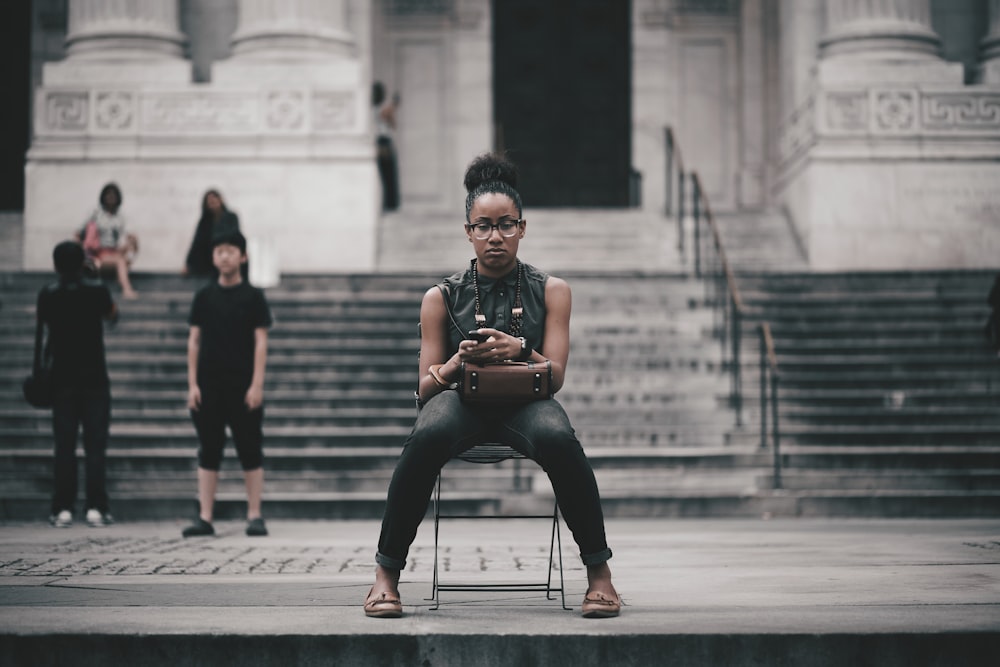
388 562
596 558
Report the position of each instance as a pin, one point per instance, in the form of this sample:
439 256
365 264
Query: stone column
298 28
123 43
115 30
291 41
880 29
885 41
991 46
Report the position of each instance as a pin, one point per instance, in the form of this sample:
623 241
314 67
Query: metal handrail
769 376
672 154
725 281
726 295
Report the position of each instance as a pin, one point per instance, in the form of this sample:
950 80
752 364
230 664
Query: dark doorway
562 98
15 81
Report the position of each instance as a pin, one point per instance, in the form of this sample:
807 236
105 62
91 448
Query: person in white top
105 241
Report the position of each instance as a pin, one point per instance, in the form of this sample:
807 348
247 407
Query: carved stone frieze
285 110
274 111
114 111
199 112
797 132
909 112
846 111
960 111
894 110
66 111
332 110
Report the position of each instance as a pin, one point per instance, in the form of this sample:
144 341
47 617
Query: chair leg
435 596
556 543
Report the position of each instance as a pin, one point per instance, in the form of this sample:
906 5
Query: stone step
941 480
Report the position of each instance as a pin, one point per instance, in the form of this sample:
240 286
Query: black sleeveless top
496 298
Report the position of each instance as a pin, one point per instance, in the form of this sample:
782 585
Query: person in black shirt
227 354
72 311
216 219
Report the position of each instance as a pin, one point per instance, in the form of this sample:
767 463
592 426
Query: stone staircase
642 389
761 242
889 395
556 240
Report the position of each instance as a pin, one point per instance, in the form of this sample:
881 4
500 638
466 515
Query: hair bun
490 167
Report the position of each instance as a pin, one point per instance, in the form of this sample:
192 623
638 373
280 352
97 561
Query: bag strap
445 293
37 362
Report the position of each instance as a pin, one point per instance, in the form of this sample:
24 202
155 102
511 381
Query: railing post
680 209
668 142
763 386
695 200
775 430
737 376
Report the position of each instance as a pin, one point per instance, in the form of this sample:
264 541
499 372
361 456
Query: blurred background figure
215 219
72 311
108 246
385 125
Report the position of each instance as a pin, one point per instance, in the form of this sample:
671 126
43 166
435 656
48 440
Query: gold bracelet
436 376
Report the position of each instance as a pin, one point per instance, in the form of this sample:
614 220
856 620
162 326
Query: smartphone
478 337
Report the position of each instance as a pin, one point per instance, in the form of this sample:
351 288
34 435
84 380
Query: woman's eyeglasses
483 230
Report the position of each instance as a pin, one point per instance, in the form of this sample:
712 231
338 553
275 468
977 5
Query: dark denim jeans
73 407
446 427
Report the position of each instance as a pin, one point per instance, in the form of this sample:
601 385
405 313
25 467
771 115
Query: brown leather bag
505 382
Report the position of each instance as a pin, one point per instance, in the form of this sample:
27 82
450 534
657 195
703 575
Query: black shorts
221 407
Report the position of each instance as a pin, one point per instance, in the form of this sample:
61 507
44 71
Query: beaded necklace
516 313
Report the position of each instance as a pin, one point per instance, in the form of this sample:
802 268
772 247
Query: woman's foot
601 600
599 605
383 599
383 605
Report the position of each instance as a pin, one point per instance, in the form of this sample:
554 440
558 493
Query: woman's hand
497 347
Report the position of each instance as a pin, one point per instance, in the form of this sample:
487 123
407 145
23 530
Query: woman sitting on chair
483 297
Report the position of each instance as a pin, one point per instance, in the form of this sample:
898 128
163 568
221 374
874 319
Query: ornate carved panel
846 111
332 110
199 112
894 110
909 112
285 110
114 111
955 112
274 111
798 132
66 111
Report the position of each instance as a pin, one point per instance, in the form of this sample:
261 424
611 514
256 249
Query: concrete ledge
461 650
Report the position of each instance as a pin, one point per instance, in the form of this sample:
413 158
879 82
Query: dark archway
562 98
15 81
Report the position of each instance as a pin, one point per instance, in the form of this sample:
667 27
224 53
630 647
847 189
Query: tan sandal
599 605
383 605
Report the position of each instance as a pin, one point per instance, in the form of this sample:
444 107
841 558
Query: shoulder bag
502 382
37 387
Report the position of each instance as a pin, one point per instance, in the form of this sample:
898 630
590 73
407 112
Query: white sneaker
95 519
62 520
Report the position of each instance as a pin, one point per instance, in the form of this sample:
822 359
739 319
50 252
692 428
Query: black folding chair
491 453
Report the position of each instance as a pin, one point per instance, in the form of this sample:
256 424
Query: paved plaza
689 576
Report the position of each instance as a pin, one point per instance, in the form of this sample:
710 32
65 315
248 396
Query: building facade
874 125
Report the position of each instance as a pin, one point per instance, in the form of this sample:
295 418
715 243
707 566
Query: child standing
227 354
72 310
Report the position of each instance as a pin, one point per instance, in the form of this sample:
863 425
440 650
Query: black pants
389 173
446 427
73 407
